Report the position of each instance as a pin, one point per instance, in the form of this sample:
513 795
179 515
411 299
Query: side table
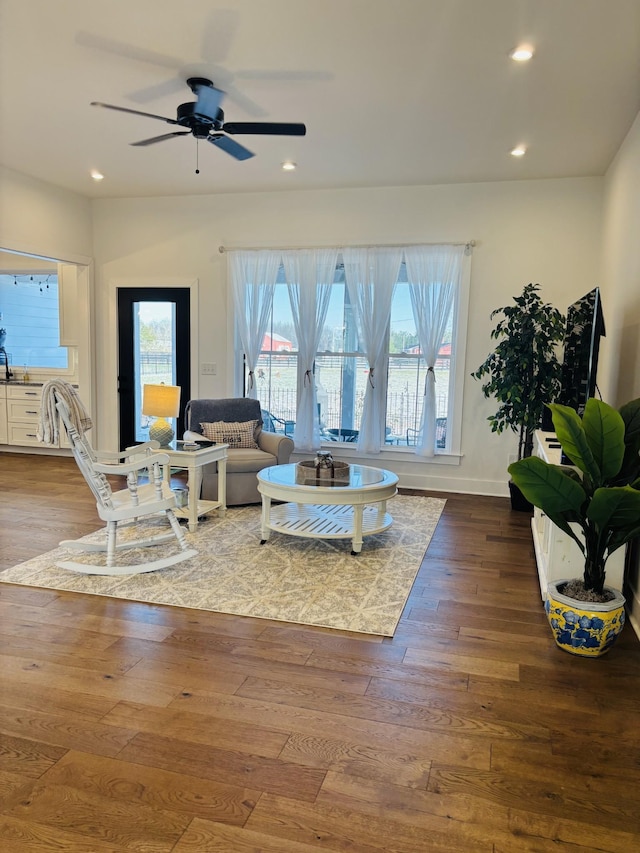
192 461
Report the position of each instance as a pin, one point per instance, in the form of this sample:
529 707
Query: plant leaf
572 437
621 537
615 507
547 486
604 429
630 414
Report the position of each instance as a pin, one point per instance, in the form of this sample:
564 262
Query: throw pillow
234 434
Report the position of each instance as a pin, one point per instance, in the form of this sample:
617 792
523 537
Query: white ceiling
393 92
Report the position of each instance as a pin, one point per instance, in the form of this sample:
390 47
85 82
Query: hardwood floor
133 727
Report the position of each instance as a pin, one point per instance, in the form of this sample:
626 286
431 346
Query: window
341 369
407 374
30 315
276 370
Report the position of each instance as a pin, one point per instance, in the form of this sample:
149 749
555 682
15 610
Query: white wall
38 218
41 219
621 300
541 231
621 272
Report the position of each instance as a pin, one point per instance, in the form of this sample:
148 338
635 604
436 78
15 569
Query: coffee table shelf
326 522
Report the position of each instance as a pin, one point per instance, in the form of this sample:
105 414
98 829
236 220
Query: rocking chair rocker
123 507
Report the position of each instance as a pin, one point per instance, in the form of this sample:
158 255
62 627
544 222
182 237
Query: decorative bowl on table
311 473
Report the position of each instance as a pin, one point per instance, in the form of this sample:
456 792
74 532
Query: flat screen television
585 327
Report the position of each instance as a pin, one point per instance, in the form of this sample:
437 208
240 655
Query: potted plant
595 501
523 372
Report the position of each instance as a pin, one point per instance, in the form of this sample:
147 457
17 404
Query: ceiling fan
204 119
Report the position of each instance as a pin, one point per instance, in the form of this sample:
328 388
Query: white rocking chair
123 507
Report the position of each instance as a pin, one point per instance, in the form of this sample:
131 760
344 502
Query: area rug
288 579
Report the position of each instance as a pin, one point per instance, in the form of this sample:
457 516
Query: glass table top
359 475
179 446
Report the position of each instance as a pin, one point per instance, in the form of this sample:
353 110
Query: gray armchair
243 463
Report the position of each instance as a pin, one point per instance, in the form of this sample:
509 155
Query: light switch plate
208 368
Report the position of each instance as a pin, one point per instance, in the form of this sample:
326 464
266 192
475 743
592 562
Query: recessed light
97 176
523 53
288 166
519 151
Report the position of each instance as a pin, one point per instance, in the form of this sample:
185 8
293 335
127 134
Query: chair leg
179 532
112 530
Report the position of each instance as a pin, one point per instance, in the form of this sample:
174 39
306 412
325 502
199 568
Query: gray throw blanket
48 431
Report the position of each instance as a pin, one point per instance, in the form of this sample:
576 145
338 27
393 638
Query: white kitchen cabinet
23 413
3 416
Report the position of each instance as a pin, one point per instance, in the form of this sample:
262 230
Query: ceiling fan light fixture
96 175
522 53
289 166
519 151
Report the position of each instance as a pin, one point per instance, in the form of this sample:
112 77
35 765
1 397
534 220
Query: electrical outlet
512 458
208 368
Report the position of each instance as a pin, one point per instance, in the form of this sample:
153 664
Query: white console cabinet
558 557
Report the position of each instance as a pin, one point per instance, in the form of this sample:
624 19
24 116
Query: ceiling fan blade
209 99
135 112
218 34
153 139
294 76
265 127
230 146
163 89
129 51
243 101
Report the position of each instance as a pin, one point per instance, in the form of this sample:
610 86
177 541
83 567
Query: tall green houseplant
523 372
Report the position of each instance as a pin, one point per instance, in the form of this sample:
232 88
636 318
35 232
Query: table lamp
161 401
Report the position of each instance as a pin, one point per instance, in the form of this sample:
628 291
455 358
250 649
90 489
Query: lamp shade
161 401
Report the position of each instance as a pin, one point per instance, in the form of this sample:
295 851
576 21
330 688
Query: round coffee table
349 510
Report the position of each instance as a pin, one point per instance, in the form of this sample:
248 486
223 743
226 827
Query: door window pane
154 354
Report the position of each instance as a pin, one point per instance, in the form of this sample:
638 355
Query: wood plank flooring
132 727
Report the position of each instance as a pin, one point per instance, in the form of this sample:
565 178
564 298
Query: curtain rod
470 244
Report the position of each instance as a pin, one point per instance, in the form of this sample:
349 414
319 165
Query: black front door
154 346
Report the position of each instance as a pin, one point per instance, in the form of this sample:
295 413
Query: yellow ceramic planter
584 628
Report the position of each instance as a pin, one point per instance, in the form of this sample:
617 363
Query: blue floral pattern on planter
583 631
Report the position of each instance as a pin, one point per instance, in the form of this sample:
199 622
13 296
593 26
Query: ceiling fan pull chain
197 157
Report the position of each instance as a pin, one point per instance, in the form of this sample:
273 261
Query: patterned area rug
307 581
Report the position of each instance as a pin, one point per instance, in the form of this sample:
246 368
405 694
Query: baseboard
427 482
40 450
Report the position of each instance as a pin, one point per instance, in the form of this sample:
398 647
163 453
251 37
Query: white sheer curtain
433 273
309 274
253 275
371 275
